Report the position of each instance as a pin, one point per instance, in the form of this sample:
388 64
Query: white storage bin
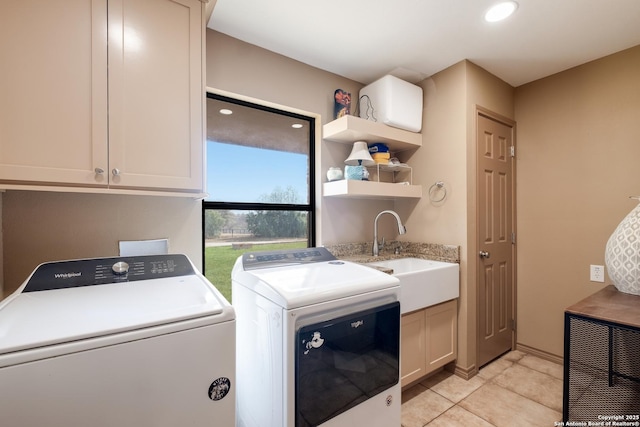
394 102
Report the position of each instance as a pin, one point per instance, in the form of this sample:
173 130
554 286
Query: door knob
485 254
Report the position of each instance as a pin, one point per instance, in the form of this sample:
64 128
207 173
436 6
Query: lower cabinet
428 340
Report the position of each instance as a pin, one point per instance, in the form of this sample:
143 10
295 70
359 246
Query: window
260 169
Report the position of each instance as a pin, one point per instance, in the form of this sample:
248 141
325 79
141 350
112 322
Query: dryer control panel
102 271
267 259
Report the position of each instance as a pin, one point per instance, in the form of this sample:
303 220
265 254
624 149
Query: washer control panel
102 271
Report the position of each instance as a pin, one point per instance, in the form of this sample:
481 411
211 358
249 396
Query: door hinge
513 238
513 324
513 150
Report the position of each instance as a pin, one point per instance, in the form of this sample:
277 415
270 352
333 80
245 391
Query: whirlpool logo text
67 275
357 323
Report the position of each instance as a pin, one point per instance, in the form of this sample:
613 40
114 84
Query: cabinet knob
99 171
115 171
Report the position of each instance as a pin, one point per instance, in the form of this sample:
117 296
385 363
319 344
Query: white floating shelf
370 189
348 129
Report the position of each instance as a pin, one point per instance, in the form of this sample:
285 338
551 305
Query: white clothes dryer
318 341
134 341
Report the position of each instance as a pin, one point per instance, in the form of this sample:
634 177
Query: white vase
622 254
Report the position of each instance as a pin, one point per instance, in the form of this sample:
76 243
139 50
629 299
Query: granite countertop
362 252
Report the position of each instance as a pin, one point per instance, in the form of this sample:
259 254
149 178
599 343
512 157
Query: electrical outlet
597 273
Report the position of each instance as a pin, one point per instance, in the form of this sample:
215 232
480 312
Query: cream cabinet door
53 91
428 340
441 334
412 347
156 94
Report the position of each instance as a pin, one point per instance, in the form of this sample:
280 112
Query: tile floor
515 390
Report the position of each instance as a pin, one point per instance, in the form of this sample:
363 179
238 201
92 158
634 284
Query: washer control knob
120 268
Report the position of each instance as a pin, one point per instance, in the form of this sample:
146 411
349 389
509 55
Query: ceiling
413 39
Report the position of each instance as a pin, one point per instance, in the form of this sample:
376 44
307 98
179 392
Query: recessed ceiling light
226 111
500 11
296 125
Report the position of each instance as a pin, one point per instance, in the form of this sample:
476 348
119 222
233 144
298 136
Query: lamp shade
360 155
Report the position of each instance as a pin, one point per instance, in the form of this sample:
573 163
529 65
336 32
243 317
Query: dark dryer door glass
344 361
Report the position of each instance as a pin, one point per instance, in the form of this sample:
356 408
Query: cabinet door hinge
513 150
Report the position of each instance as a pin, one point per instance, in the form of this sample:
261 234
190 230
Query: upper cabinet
156 93
53 107
102 94
347 130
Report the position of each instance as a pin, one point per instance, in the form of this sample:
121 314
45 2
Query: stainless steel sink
423 282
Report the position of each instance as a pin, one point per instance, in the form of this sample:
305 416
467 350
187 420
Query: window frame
309 207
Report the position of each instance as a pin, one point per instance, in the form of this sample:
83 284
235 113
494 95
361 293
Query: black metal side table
602 358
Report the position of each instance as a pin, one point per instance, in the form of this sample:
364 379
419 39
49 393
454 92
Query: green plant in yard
214 222
219 261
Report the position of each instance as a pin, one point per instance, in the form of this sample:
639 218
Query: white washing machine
318 341
134 341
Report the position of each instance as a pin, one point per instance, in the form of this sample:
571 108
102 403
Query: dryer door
342 362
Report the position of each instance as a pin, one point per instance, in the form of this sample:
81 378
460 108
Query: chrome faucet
401 230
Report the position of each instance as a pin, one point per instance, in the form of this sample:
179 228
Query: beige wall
578 151
47 226
442 158
247 70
